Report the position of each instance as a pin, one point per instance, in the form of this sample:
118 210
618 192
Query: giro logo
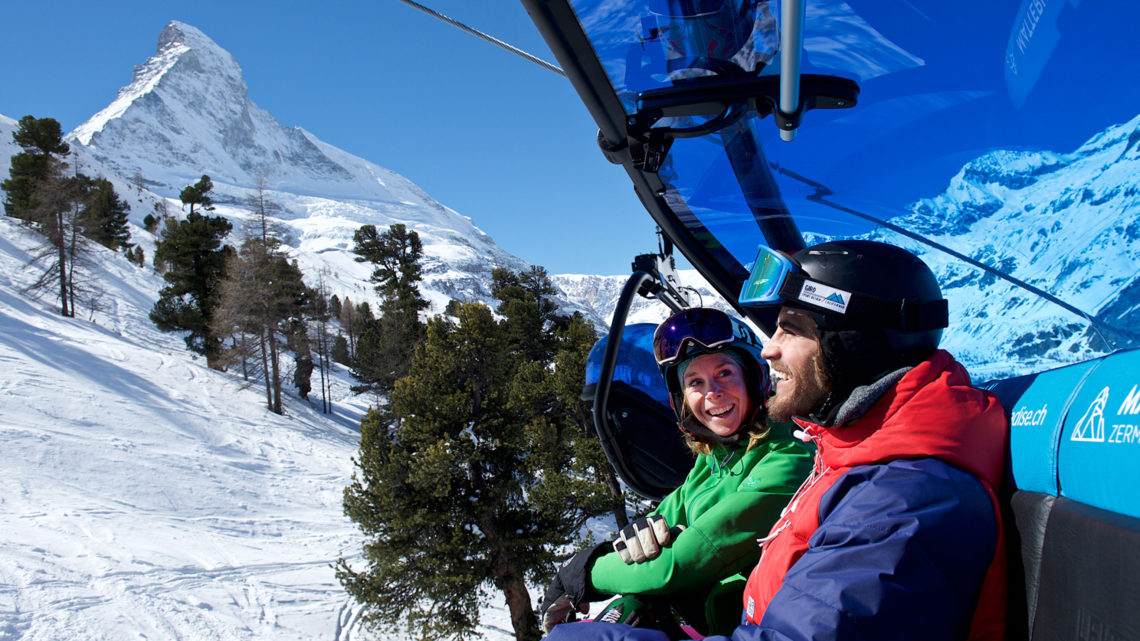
1091 426
821 295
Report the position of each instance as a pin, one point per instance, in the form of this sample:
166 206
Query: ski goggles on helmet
767 277
776 279
700 326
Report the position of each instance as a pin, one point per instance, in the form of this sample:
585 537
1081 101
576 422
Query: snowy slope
147 496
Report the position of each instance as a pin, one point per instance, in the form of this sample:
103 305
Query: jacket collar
930 410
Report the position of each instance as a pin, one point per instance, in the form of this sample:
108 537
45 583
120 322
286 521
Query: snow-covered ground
145 496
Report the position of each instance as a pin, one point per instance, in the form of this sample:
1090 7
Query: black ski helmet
894 316
705 330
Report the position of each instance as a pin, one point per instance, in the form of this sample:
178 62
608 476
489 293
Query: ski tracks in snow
145 496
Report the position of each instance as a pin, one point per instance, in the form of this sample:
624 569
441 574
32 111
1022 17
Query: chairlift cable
491 39
1107 332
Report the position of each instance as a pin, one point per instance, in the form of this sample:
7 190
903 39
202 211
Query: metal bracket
664 285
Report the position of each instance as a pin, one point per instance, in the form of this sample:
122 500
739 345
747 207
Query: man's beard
812 388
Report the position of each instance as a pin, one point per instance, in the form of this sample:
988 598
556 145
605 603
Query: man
897 533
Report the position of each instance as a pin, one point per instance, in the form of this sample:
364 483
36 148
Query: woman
687 557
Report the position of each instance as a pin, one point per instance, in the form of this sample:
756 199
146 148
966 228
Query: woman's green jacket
730 498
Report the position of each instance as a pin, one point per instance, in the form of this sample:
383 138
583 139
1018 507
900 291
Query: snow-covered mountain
598 296
187 113
1066 223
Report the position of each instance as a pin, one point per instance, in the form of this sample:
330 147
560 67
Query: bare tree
320 336
239 315
261 224
55 215
350 320
262 295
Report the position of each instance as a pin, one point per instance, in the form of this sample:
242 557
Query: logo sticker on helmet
826 297
743 333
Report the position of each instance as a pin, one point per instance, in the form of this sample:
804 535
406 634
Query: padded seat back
638 429
1073 501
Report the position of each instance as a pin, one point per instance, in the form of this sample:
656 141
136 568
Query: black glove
642 540
570 590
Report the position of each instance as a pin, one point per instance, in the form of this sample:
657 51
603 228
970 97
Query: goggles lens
768 274
708 328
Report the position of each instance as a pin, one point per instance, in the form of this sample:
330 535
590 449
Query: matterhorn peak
180 34
182 51
187 113
197 55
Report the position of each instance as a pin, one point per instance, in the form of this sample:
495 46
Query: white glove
562 611
642 540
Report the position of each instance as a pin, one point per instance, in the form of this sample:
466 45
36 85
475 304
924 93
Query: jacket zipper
718 468
807 432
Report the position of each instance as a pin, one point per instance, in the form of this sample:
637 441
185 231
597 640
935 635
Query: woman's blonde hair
757 430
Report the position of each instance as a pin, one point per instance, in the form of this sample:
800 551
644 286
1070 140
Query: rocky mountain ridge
187 113
1065 223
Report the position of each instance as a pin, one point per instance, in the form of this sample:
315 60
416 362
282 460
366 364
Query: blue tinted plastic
635 363
992 139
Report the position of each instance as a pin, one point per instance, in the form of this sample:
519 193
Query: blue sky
499 139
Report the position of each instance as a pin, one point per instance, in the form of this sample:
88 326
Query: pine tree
198 195
376 363
526 300
350 320
384 350
538 333
340 350
364 312
396 253
105 215
473 475
576 337
42 142
136 256
194 258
